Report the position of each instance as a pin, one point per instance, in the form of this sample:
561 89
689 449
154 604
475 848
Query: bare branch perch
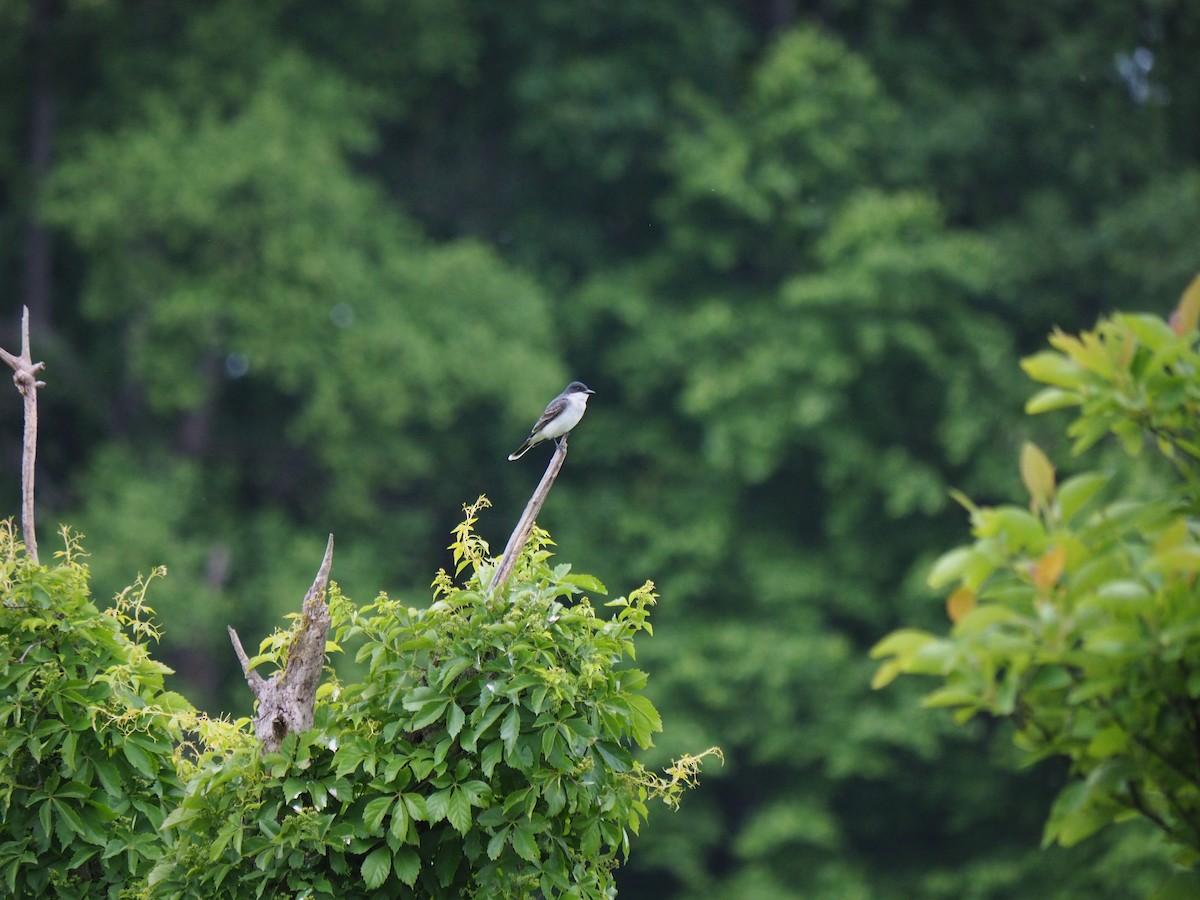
252 678
286 699
25 372
516 542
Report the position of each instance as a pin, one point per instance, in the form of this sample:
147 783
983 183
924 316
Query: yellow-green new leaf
1054 369
1037 474
903 643
949 567
1051 398
1075 492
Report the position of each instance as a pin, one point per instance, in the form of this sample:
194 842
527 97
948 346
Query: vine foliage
486 752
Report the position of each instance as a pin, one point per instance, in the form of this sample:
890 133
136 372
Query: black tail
520 451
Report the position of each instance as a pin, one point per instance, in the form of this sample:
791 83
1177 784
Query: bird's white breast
568 418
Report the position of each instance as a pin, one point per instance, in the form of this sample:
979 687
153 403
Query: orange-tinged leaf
1187 313
960 602
1050 567
1037 473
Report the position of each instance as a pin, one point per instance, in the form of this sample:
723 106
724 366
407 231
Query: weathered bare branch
25 372
286 699
252 677
520 535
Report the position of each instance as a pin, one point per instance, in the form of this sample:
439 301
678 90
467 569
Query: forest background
300 267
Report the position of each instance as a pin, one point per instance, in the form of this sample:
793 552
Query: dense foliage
88 734
1077 617
301 267
485 753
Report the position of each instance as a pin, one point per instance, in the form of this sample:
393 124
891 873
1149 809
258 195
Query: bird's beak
590 391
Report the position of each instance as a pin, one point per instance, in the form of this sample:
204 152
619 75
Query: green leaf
496 845
1108 742
632 679
1073 818
292 788
949 567
173 703
422 695
400 821
585 582
455 719
521 683
979 620
491 755
138 758
437 805
458 810
453 669
415 804
477 792
67 750
1175 559
376 867
407 865
179 815
318 794
1053 368
887 673
1131 436
1018 528
556 796
164 869
488 718
510 729
902 643
1049 399
67 815
950 696
645 720
1037 473
525 842
614 755
349 756
375 812
1124 594
428 714
1075 492
590 841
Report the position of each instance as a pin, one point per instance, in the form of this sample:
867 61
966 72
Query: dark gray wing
557 405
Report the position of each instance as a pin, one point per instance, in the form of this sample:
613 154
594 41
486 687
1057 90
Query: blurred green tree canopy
299 267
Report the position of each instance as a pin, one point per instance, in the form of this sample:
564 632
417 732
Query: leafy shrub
87 734
1077 617
486 753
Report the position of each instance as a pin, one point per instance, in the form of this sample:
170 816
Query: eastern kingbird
563 414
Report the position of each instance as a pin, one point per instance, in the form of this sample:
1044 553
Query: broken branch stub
25 372
519 537
286 699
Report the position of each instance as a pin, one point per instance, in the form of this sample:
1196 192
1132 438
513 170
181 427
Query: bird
563 414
